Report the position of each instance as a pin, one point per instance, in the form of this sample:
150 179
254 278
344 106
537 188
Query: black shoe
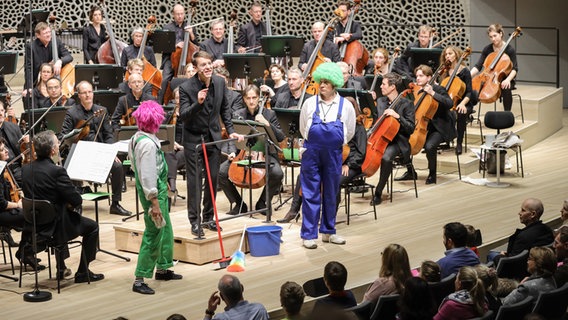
291 215
123 189
431 179
212 226
142 288
169 275
406 176
459 148
195 230
260 205
119 210
32 262
240 208
82 277
7 236
376 201
64 273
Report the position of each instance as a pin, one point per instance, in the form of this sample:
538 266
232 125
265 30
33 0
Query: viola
454 85
15 191
67 74
10 118
127 119
496 67
379 137
110 50
354 53
27 151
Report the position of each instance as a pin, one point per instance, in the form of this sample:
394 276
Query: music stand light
246 65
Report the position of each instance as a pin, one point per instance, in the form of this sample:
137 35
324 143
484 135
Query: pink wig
149 116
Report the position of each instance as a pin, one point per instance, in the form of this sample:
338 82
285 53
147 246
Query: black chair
442 289
515 311
3 237
315 287
552 305
357 185
362 310
514 267
495 106
487 316
396 164
40 213
386 308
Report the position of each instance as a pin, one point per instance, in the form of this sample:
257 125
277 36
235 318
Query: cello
67 74
379 137
354 53
496 67
454 85
110 50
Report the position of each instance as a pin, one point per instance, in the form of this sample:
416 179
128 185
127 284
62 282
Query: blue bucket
264 240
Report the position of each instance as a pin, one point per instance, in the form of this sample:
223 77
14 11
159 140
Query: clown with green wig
327 122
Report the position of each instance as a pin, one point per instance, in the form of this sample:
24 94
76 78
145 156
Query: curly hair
329 71
149 116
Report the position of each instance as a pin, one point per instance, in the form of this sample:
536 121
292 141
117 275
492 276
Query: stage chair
386 308
42 212
357 185
487 316
552 305
4 245
515 311
396 164
517 95
362 310
514 267
442 289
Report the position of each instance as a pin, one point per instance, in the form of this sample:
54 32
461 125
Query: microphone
72 133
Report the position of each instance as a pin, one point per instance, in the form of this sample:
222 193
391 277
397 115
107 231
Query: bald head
231 289
535 205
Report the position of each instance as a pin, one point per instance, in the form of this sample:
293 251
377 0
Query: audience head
395 263
467 279
564 212
471 236
230 289
176 316
149 116
455 235
46 144
416 302
542 261
430 271
291 298
488 276
531 211
335 276
561 243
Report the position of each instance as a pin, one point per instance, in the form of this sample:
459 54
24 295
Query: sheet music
2 165
91 161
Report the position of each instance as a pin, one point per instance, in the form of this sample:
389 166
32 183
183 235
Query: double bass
496 67
67 74
354 53
110 50
453 84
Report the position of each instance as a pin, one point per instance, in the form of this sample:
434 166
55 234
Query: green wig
329 71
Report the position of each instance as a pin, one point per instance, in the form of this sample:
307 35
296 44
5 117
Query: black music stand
282 46
290 121
246 65
8 65
363 98
53 120
426 56
369 80
108 99
164 41
101 76
38 15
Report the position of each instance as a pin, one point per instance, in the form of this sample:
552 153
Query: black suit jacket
405 109
270 116
247 36
77 113
533 235
43 180
203 119
41 55
328 50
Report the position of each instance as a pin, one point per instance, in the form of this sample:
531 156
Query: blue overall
320 173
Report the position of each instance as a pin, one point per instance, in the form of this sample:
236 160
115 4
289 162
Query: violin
454 85
15 191
82 128
127 119
354 53
110 50
10 118
496 67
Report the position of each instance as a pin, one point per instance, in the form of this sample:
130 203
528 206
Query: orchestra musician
100 130
178 25
277 75
40 48
40 92
349 81
12 136
251 96
134 97
403 65
341 35
465 106
440 128
202 101
380 58
94 35
249 35
131 51
176 158
135 66
328 50
234 98
327 122
404 113
55 98
289 98
495 33
217 44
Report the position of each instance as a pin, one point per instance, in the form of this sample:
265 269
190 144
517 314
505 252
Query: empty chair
386 308
515 311
442 289
357 185
514 267
362 310
552 305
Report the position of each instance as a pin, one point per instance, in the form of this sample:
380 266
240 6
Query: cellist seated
403 111
125 106
251 95
135 66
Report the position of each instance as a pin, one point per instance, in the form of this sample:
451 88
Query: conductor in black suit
44 180
251 32
202 101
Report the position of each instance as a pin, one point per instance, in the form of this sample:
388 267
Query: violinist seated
440 128
13 137
11 215
176 158
55 96
135 66
267 117
39 93
328 49
403 111
379 62
248 39
403 65
341 35
217 44
125 106
289 98
132 50
99 130
277 75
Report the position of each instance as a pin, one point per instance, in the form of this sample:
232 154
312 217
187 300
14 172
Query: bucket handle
278 239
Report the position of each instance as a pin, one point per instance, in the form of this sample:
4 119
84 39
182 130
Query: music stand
363 98
38 15
108 99
8 62
101 76
290 122
246 65
426 56
282 46
369 80
164 41
53 120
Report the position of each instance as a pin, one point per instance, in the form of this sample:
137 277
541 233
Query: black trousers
385 170
88 229
116 179
195 187
433 140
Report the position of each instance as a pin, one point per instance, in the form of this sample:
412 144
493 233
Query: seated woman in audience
395 270
468 301
416 303
541 265
430 271
490 282
291 299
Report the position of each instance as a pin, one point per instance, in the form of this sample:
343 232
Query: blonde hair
469 280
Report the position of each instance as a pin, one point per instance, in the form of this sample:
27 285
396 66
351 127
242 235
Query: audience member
430 271
335 277
564 213
541 265
472 242
416 302
230 290
176 316
561 248
490 282
395 270
534 234
457 254
291 299
468 301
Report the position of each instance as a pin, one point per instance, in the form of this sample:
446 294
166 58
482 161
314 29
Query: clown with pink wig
151 172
